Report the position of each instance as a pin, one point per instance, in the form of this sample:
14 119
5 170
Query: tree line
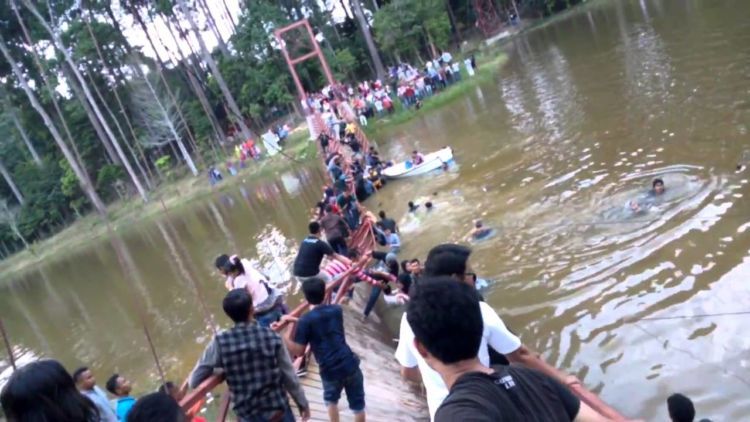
89 116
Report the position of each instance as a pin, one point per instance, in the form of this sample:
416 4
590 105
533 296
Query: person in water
412 206
657 188
428 206
479 231
416 158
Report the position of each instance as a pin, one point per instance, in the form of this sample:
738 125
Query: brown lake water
588 110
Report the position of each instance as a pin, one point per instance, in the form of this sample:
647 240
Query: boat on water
432 161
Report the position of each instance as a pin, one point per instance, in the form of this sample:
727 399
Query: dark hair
447 259
156 407
680 408
314 290
405 280
167 387
313 227
413 260
657 182
352 253
446 319
78 372
428 204
221 261
404 263
111 384
411 204
44 391
328 208
381 214
415 152
237 305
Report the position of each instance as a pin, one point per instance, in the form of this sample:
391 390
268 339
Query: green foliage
163 163
407 27
345 64
107 178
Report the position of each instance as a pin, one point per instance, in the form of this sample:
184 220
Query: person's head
450 260
45 391
352 254
414 153
404 282
446 320
680 408
329 209
84 378
391 261
381 214
412 206
405 266
314 228
428 205
238 305
156 407
314 290
387 231
415 267
635 206
658 186
118 385
478 224
172 390
229 266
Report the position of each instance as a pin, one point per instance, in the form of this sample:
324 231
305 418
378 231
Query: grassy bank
487 66
174 195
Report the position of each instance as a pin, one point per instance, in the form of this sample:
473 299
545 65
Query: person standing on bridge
447 320
256 365
311 253
323 329
453 261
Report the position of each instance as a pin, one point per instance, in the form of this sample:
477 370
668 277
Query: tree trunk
214 28
454 24
79 171
100 133
365 27
229 15
45 81
9 180
246 132
57 41
25 137
123 111
160 71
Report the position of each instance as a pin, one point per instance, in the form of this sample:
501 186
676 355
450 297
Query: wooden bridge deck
388 397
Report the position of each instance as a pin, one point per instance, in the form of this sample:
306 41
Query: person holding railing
322 328
256 365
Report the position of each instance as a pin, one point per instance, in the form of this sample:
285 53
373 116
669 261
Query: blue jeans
354 386
269 317
374 295
288 417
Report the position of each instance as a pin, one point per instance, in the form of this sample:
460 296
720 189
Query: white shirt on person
253 281
495 334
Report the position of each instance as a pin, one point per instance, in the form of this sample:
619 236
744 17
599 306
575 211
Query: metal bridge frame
292 62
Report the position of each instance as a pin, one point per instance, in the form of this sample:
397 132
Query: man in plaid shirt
256 365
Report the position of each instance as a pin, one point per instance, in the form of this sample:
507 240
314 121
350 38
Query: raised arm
209 361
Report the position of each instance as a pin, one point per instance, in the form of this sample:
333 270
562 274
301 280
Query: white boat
432 161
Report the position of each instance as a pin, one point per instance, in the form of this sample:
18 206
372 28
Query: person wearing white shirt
453 260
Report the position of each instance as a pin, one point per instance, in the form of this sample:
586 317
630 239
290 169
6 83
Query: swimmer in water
413 207
657 188
479 231
635 207
428 206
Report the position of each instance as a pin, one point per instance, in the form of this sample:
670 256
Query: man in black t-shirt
447 323
311 253
388 223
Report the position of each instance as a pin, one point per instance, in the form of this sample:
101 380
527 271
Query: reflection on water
586 113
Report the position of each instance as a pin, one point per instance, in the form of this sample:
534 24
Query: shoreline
174 195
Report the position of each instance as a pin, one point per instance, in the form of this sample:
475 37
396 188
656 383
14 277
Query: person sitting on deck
448 323
86 384
416 158
311 253
323 329
45 391
157 407
241 274
453 260
120 387
256 366
336 230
